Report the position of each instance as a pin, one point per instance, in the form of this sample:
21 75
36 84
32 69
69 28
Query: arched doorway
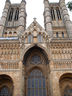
66 84
36 68
36 51
6 85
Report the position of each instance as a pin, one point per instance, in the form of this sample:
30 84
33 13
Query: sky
34 9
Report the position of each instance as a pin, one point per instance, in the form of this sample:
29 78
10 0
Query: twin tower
56 19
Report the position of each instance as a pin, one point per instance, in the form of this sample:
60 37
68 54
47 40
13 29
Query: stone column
22 17
47 18
4 17
18 80
17 88
66 18
21 79
54 81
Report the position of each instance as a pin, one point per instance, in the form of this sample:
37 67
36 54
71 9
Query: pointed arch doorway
36 67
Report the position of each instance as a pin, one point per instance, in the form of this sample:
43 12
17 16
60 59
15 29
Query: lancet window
11 14
16 14
58 13
52 14
36 84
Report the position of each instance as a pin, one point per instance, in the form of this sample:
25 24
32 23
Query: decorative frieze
61 54
63 64
9 65
61 43
9 51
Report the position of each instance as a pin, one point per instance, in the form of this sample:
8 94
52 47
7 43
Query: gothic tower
66 18
55 17
13 20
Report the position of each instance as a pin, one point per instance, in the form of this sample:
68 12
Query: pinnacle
46 1
34 19
7 0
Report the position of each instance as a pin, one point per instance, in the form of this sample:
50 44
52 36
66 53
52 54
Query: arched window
63 34
10 33
36 84
30 38
4 91
16 14
15 33
52 14
11 14
58 13
5 34
36 59
68 91
40 38
57 35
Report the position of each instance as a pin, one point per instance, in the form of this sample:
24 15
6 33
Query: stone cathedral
35 61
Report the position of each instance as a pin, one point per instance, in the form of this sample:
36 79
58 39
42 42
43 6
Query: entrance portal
36 69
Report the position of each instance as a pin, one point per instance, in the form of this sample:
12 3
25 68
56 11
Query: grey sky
34 8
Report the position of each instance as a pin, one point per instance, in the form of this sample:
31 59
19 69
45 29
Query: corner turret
47 18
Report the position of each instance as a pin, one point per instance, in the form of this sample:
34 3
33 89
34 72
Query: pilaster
54 80
47 18
21 79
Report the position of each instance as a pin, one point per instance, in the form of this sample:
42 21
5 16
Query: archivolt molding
7 75
61 74
32 45
35 67
67 75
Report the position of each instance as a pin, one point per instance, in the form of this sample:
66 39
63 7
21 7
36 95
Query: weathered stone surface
48 50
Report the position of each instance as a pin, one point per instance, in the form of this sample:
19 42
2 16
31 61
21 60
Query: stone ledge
64 69
9 70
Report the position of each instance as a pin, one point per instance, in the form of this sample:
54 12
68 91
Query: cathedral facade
35 61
